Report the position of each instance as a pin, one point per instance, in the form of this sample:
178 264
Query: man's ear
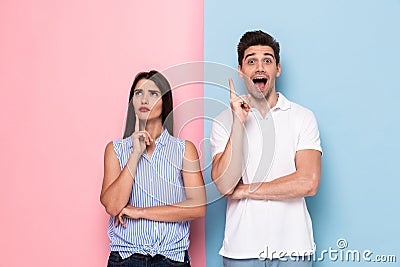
278 68
240 71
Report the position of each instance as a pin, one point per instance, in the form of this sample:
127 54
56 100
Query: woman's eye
138 92
154 94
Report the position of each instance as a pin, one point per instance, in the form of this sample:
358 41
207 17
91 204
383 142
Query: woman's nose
144 99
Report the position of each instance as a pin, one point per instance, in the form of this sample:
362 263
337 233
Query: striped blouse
158 181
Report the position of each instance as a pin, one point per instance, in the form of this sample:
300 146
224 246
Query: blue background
341 60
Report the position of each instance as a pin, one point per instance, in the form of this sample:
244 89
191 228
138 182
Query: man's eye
251 61
267 60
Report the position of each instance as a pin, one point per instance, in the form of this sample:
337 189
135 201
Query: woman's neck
153 127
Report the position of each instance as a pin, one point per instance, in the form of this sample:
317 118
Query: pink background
66 69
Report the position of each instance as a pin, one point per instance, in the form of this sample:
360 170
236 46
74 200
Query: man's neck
263 105
272 99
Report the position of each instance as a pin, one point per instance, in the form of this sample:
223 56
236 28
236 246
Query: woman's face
147 100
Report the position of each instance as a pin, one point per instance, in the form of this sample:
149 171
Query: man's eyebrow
269 54
249 55
265 54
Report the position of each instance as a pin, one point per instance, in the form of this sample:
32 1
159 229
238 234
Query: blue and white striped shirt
158 182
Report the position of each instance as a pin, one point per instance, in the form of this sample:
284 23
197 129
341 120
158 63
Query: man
266 159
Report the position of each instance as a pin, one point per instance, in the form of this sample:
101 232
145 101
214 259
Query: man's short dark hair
253 38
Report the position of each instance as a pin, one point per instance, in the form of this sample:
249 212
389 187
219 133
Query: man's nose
260 67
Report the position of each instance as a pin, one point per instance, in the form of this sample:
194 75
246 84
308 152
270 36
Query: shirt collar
163 138
283 103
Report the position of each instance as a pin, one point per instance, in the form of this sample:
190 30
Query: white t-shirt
268 228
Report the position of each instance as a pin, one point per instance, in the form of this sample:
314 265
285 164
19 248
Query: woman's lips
144 109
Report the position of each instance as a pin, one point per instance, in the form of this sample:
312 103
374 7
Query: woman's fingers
121 219
149 138
136 123
144 136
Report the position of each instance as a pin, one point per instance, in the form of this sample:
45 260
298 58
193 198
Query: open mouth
260 82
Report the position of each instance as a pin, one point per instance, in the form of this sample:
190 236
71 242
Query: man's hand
239 104
240 191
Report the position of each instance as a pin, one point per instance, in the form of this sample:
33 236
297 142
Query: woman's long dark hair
167 104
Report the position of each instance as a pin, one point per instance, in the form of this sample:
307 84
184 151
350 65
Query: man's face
259 71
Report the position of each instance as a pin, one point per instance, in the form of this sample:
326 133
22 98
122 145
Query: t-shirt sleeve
309 133
219 136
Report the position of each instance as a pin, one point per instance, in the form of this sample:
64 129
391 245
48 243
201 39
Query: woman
152 184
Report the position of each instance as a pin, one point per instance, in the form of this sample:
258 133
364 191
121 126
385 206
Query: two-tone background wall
65 73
